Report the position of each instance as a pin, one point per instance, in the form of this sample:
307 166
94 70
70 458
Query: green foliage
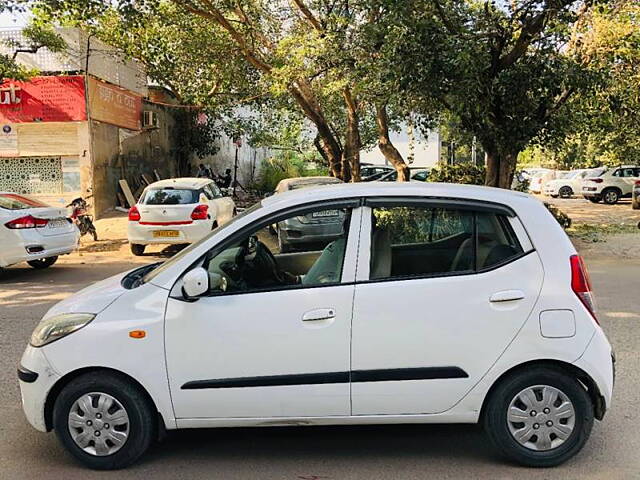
466 173
562 218
421 225
193 137
285 166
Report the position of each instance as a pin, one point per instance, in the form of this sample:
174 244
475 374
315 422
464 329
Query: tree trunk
387 148
304 96
500 168
353 144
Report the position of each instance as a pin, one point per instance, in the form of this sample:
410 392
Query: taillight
134 214
26 222
637 183
596 180
581 284
201 212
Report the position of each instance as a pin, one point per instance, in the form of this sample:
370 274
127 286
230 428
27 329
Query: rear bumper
598 361
16 250
144 234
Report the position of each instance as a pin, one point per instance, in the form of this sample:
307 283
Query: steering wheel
261 262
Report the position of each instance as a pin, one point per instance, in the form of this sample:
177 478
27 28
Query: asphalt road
394 452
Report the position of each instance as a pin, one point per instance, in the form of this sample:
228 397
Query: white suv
612 185
437 304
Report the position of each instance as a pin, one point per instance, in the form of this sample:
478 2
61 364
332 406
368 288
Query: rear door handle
507 296
319 314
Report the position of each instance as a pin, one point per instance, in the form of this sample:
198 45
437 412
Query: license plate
325 213
166 233
58 223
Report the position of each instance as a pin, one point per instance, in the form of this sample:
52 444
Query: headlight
58 326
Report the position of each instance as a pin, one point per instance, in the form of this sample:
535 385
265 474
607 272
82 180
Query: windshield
12 201
170 196
165 265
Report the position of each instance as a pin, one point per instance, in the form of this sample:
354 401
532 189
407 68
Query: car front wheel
42 262
611 196
104 421
565 192
540 417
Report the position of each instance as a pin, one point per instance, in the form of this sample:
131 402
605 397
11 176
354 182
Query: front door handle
507 296
319 314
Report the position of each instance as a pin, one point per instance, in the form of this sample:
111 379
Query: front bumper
36 378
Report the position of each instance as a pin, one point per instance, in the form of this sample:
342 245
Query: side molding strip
355 376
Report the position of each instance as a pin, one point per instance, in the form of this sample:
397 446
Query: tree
36 36
503 71
292 53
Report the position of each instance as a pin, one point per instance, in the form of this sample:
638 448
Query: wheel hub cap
98 424
541 418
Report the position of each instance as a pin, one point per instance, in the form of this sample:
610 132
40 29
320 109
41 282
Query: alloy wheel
98 424
541 417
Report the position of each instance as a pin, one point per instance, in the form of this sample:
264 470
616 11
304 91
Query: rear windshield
595 173
12 201
170 196
298 186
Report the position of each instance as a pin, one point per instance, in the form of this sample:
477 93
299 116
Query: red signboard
43 99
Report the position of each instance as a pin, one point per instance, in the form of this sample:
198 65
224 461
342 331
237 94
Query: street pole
235 171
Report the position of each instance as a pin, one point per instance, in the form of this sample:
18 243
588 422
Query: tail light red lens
134 214
596 180
637 183
26 222
581 284
201 212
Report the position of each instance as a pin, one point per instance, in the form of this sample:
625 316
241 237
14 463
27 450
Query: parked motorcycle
81 218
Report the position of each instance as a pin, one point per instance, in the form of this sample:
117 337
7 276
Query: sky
16 20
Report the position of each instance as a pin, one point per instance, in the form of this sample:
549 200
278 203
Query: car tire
611 196
137 249
42 263
136 428
283 246
531 450
565 192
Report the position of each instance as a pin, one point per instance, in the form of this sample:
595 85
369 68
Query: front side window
433 241
301 250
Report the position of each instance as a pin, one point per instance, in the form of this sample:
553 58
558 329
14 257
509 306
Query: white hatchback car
177 211
437 304
34 232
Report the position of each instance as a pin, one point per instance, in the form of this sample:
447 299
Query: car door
266 347
441 293
224 205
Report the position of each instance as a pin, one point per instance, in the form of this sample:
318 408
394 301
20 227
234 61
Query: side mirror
195 283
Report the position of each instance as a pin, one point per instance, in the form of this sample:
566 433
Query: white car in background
177 211
612 185
570 183
540 179
33 232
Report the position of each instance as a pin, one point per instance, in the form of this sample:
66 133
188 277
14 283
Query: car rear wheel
137 249
611 196
565 192
43 262
104 421
540 417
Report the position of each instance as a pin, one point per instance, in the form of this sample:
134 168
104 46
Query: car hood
92 299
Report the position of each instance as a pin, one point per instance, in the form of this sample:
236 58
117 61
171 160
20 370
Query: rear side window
11 201
170 196
427 241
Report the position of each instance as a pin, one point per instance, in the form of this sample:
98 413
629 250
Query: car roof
319 180
404 189
186 182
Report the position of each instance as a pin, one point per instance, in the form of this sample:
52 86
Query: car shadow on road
377 443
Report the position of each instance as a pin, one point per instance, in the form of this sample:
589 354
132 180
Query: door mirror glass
195 283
